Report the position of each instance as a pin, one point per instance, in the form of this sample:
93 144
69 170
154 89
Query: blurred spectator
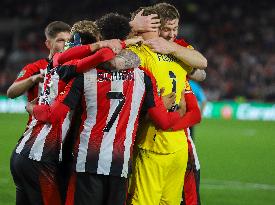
237 37
201 98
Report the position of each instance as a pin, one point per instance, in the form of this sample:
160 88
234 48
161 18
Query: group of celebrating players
109 114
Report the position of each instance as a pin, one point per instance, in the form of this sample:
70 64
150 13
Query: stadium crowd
236 38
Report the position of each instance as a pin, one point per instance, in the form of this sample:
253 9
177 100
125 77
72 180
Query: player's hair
113 26
149 10
166 12
55 27
87 31
146 11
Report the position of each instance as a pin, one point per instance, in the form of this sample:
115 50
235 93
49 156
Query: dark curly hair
113 26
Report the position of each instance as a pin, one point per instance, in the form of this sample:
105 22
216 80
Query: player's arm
197 75
124 60
192 115
72 68
141 23
155 107
83 51
64 102
190 57
29 78
89 62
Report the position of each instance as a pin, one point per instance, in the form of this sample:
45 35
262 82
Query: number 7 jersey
170 74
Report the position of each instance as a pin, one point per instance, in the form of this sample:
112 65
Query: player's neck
149 35
50 55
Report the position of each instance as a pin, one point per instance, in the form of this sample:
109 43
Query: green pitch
237 160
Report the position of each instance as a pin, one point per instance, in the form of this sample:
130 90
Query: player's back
112 102
171 76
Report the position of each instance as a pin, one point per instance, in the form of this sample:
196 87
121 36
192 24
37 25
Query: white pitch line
222 184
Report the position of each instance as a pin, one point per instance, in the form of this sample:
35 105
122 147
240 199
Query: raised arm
142 23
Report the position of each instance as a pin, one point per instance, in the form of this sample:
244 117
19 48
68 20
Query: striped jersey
112 102
29 70
42 141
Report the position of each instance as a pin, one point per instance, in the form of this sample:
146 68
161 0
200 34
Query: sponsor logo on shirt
114 76
21 74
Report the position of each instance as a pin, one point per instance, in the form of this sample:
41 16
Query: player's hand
168 100
160 45
182 105
134 40
145 23
38 78
30 105
114 44
197 75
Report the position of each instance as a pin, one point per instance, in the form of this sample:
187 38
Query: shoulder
183 43
41 63
36 66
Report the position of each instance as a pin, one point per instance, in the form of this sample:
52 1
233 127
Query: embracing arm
155 106
64 102
192 115
29 76
101 56
191 57
197 75
83 51
187 55
22 86
163 119
50 113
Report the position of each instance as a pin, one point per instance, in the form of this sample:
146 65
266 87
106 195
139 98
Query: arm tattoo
130 58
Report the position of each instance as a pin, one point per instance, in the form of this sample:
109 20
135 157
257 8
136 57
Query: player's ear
48 44
159 32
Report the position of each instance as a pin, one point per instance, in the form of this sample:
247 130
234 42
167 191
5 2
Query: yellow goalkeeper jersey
170 74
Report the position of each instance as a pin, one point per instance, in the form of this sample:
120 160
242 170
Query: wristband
123 44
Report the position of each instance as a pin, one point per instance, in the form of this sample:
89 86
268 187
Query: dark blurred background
237 38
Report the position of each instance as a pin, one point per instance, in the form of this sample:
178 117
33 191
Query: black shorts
95 189
36 182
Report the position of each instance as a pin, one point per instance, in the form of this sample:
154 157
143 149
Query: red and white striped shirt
29 70
42 141
112 102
